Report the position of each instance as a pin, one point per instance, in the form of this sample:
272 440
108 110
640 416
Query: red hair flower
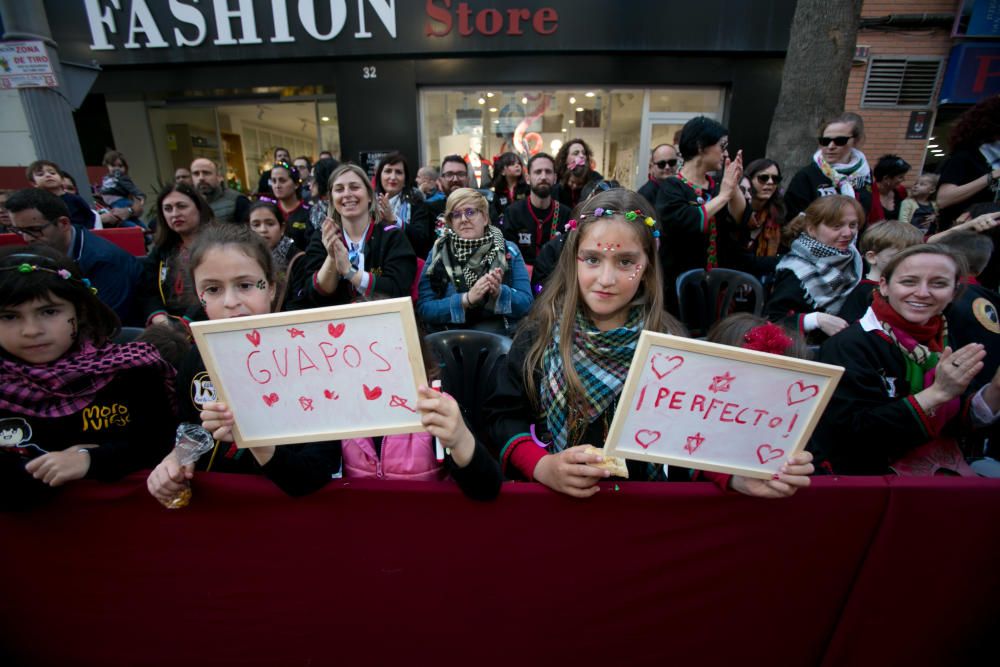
767 338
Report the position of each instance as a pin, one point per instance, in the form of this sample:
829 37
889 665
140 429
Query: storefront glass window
482 123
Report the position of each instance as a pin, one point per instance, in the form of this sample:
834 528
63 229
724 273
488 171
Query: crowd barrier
853 571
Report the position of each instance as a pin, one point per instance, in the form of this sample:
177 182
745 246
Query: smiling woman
904 395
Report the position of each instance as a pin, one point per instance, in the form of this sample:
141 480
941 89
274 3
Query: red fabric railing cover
849 572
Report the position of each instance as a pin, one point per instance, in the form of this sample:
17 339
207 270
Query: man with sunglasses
39 216
837 167
663 163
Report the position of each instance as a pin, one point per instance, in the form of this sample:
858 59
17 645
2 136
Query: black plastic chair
128 334
468 362
704 297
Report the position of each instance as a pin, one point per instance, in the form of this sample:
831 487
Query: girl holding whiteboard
559 387
233 272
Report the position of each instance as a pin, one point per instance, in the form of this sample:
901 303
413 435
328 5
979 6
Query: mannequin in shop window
480 167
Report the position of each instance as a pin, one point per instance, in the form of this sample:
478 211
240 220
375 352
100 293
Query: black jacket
810 184
520 228
388 256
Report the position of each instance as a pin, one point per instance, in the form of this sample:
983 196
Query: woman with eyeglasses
837 168
696 211
473 278
764 218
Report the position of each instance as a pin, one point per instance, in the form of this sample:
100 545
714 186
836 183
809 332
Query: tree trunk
814 80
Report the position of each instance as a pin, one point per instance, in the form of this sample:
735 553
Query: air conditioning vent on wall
901 82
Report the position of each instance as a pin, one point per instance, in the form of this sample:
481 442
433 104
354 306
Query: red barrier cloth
414 573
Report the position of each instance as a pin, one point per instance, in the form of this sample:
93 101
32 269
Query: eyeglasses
31 232
764 179
662 164
840 141
464 214
453 175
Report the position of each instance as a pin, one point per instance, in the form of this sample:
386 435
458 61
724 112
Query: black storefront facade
232 79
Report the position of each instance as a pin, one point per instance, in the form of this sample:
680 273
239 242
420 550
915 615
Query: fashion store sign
156 32
146 24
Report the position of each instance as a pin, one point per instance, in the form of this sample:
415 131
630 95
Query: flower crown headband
608 212
31 267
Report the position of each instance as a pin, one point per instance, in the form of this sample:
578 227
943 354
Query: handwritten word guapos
100 417
301 359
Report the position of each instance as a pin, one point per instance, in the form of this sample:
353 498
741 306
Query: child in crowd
753 332
72 404
266 219
233 273
878 245
920 209
558 389
47 175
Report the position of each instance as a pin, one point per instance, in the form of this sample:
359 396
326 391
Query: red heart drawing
254 337
270 399
677 361
332 395
802 392
336 330
645 437
767 453
373 393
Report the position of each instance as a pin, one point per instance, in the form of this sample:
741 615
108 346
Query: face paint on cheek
635 274
72 324
262 284
201 300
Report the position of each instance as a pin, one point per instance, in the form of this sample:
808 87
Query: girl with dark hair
267 221
903 398
696 211
971 174
753 332
181 215
764 218
837 167
558 388
577 180
400 204
508 184
72 403
822 267
889 192
286 183
355 255
234 276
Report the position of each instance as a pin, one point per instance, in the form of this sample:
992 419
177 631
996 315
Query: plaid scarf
468 260
69 384
848 177
601 359
827 275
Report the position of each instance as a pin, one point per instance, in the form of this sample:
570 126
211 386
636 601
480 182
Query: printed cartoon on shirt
15 434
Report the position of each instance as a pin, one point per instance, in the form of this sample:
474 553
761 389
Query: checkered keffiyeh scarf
69 384
601 360
828 275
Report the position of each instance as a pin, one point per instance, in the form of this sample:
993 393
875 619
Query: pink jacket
408 456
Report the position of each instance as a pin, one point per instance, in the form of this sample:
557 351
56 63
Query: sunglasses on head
764 179
662 164
840 141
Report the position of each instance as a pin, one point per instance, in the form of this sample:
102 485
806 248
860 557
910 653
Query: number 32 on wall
368 72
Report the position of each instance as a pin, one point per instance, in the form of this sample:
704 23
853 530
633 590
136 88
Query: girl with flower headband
559 386
72 403
753 332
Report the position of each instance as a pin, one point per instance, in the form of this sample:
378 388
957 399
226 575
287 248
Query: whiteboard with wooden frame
713 407
316 375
